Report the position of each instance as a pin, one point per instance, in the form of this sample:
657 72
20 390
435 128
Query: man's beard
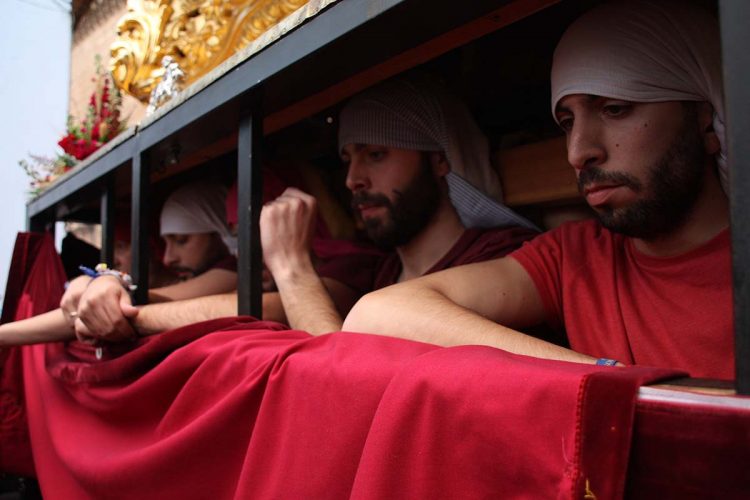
671 189
184 273
412 209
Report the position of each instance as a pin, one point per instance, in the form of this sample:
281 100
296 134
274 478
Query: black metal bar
249 204
35 224
139 226
735 39
107 221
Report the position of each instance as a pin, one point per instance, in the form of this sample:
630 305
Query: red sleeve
350 263
228 263
489 244
542 259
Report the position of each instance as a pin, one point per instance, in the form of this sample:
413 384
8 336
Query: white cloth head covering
195 208
416 113
644 51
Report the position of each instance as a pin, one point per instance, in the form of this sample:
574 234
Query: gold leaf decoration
198 34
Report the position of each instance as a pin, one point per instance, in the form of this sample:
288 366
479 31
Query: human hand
104 312
71 297
286 230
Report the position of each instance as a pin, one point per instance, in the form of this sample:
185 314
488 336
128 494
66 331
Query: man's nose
356 177
170 258
585 145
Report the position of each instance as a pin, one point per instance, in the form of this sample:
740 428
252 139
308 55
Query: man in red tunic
636 89
422 183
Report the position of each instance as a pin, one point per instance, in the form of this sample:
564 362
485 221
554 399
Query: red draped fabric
474 422
237 408
240 409
35 285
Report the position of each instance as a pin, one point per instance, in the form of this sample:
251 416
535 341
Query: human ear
711 142
439 163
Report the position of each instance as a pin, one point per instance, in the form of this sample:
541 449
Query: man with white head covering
414 155
636 88
194 227
198 249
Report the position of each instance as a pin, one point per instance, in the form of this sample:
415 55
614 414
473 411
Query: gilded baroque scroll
198 34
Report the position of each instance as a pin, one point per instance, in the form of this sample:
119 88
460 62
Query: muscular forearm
155 318
51 326
306 300
428 316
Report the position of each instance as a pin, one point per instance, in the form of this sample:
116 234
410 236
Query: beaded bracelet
103 270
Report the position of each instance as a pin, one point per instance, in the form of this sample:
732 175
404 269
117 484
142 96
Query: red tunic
475 245
616 302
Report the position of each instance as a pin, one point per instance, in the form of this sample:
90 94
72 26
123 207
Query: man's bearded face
666 196
409 209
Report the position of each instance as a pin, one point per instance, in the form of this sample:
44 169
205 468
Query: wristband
102 270
606 362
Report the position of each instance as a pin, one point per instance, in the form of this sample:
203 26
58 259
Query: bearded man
636 88
422 183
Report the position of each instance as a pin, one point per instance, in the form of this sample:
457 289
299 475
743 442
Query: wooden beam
536 173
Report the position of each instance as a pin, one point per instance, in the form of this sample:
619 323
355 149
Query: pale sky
34 75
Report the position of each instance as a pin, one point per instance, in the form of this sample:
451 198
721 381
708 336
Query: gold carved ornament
198 34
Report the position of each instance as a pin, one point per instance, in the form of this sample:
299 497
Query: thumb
128 309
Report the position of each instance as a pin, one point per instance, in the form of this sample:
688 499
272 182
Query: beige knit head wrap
644 51
416 113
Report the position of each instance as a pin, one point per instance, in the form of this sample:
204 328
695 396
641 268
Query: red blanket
259 413
236 408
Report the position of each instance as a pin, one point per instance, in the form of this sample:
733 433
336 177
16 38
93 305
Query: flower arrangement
43 170
101 124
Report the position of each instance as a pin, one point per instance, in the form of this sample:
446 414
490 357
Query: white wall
34 75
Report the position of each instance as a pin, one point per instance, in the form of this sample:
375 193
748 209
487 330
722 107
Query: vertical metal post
107 221
139 225
735 40
249 204
36 224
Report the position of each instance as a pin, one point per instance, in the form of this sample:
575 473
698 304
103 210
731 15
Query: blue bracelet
88 271
606 362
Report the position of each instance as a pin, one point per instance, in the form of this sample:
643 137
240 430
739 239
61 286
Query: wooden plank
536 173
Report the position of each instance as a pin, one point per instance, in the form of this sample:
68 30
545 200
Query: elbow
360 317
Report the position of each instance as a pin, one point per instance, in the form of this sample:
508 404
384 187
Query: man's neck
709 217
431 244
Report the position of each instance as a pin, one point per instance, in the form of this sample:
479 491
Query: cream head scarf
197 208
644 51
417 114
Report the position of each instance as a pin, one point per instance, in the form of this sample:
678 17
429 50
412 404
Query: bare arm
465 305
212 282
155 318
51 326
310 303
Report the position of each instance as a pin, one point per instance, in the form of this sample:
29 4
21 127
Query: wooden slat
536 173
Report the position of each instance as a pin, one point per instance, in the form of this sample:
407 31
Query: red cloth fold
240 409
689 452
476 422
35 285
